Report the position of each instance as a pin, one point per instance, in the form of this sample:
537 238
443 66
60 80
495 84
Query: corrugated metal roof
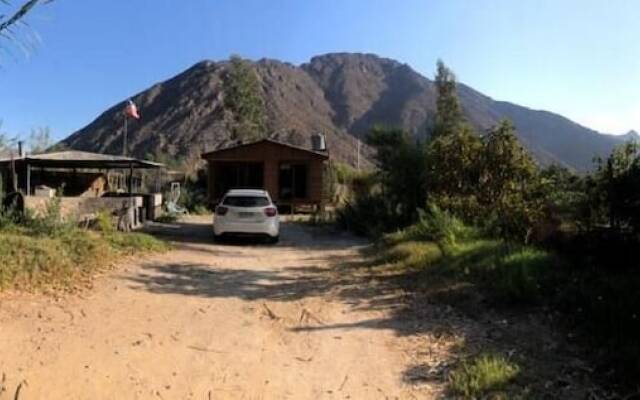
72 157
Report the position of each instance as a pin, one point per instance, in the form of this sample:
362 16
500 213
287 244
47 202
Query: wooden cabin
292 175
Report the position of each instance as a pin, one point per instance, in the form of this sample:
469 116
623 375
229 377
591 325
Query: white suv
247 212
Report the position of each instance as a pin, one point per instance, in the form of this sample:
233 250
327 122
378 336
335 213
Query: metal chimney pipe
318 142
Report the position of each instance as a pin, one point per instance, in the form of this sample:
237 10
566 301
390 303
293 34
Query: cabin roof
313 153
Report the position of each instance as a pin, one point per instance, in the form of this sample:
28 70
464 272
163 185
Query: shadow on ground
242 283
441 316
293 234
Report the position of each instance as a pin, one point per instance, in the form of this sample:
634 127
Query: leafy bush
343 182
367 215
49 222
439 226
481 375
193 194
104 222
346 174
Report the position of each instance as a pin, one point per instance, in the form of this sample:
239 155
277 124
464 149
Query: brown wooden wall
271 155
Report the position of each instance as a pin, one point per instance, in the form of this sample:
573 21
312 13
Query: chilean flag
131 110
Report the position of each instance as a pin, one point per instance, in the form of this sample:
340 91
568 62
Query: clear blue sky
580 58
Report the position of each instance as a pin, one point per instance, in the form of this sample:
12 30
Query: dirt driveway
208 321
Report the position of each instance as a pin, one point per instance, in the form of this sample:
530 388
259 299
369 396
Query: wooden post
28 191
14 176
130 179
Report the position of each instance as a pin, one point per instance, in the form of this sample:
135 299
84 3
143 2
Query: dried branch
11 23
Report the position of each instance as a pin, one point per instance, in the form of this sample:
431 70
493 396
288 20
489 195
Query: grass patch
598 304
40 253
483 376
31 261
131 243
508 273
413 255
505 273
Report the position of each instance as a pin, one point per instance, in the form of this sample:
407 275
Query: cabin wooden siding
271 155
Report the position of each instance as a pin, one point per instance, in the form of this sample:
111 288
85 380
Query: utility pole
358 151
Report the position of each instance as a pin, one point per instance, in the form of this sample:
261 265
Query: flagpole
124 144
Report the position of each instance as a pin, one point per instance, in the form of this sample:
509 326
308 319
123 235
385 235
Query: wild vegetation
475 211
482 374
243 99
47 252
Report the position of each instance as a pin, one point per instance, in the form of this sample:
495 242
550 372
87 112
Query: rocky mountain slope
341 95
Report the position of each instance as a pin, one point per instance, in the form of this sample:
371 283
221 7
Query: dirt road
210 321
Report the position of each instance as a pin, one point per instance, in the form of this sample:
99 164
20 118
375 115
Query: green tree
509 185
566 195
449 116
491 180
401 171
452 171
506 165
615 197
452 151
242 96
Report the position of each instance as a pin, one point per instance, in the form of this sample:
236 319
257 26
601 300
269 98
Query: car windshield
246 201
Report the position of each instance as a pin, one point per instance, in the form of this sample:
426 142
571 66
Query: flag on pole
131 110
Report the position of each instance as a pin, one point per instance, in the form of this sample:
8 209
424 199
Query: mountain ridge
339 94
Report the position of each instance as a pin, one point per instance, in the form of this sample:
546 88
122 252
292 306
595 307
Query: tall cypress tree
449 115
243 98
452 151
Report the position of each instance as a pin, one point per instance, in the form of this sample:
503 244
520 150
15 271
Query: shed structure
292 175
86 183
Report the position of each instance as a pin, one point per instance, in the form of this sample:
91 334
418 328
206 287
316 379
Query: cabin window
293 181
231 175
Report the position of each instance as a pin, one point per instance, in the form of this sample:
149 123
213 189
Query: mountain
341 95
631 136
